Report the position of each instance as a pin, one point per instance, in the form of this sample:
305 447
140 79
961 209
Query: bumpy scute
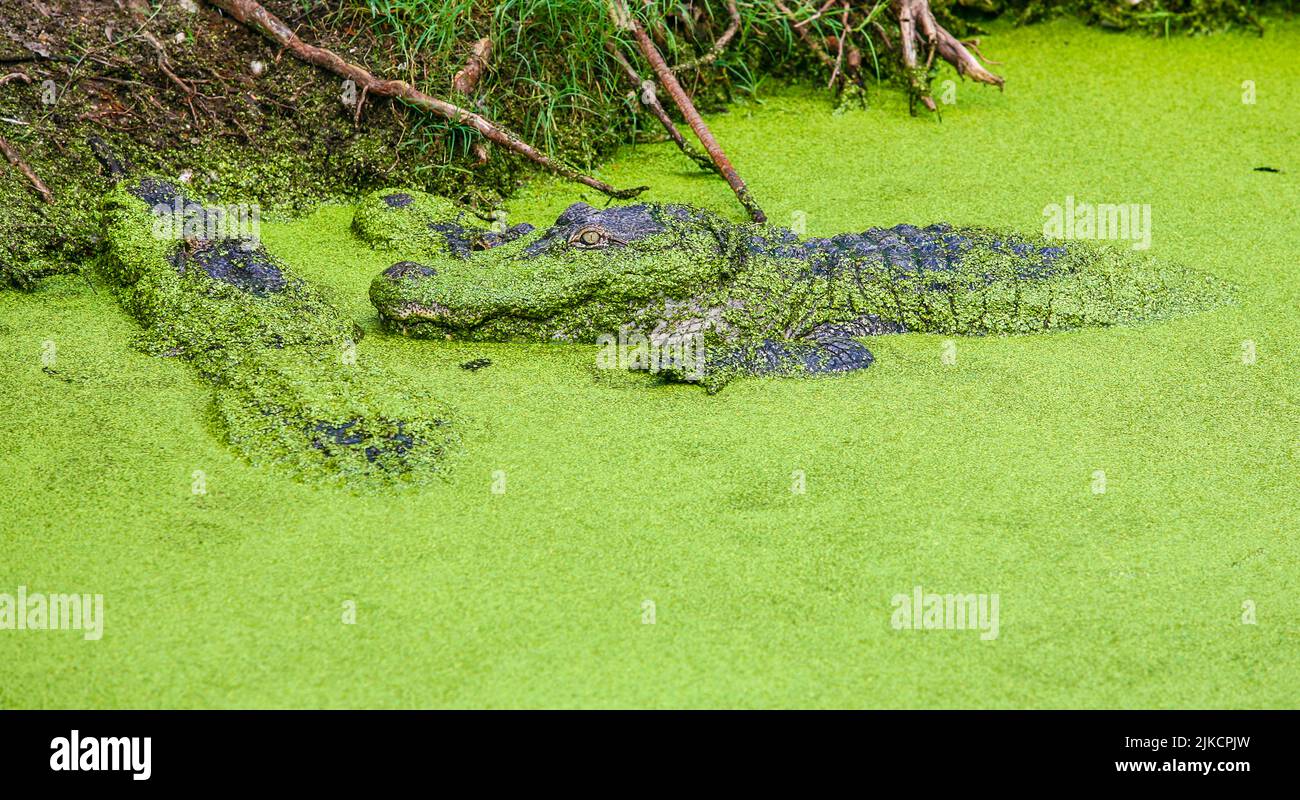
400 220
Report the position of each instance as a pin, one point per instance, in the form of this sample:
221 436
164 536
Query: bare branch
622 15
650 99
718 46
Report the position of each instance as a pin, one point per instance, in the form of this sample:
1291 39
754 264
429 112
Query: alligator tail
1028 288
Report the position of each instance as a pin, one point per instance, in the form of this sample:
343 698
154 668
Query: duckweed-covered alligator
714 299
282 358
709 299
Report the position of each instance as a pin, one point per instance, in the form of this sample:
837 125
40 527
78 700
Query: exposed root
917 28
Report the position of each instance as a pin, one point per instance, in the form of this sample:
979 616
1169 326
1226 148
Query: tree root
920 39
918 28
251 14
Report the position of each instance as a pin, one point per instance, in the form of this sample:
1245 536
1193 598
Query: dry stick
718 46
884 35
253 15
669 82
816 16
17 160
649 99
839 49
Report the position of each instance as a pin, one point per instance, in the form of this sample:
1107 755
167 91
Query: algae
522 580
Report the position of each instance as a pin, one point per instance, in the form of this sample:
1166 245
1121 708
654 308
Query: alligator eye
590 236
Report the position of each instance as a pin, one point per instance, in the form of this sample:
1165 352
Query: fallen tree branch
623 17
251 14
17 161
650 99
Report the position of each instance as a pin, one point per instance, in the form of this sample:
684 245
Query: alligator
288 385
709 300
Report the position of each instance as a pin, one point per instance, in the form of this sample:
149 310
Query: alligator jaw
419 312
427 320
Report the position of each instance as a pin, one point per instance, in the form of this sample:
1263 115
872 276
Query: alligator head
579 276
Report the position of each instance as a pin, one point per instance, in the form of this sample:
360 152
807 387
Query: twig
623 16
12 155
718 46
816 15
253 15
650 99
142 14
839 49
804 35
884 35
973 45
